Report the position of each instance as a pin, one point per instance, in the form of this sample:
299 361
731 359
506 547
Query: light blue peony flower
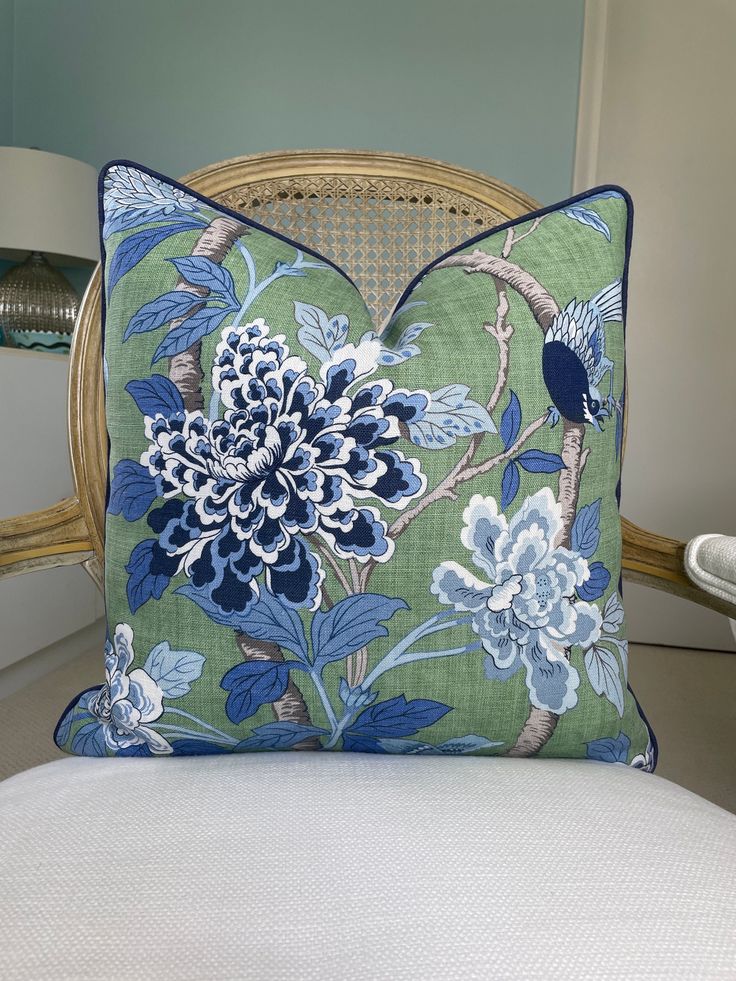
526 614
128 702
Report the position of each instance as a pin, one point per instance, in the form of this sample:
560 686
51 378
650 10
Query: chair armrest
660 562
710 561
43 539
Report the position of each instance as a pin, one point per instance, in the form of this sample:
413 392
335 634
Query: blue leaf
196 747
510 421
136 247
253 684
270 619
509 484
594 587
603 195
609 749
604 676
537 461
191 330
173 670
75 714
161 311
279 735
361 744
319 334
586 534
157 395
142 582
351 624
587 217
449 415
89 740
204 601
138 749
451 747
201 271
132 490
397 717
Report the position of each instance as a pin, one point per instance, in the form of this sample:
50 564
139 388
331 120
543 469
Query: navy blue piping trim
540 213
71 705
215 206
407 291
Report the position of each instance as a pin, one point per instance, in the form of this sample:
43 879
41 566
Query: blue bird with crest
574 361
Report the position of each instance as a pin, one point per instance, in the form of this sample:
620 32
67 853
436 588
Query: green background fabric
572 258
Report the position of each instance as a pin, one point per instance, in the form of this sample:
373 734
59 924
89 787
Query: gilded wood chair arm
54 536
657 561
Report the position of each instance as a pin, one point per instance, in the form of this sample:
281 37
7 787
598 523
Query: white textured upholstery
319 867
710 561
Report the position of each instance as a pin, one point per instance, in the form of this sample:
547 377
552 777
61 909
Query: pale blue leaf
587 217
603 673
404 348
319 334
174 671
613 615
449 415
586 533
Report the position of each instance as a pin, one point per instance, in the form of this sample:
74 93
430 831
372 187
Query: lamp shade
48 203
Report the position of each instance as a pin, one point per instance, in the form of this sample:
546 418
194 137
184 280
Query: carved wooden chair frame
382 216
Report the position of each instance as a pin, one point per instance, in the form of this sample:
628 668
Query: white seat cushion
318 867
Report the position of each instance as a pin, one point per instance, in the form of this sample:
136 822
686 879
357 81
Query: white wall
37 609
658 95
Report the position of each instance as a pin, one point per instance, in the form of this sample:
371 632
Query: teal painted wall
488 84
6 72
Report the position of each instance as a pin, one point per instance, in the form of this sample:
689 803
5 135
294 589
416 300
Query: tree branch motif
540 724
185 370
291 707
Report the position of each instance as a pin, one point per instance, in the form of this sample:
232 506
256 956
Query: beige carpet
689 697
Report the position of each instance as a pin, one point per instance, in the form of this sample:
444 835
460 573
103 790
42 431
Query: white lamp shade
48 203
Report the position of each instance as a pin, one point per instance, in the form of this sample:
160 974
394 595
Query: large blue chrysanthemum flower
290 458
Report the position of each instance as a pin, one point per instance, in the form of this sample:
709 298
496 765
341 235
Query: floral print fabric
322 537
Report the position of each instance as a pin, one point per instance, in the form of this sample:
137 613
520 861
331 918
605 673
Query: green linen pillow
319 537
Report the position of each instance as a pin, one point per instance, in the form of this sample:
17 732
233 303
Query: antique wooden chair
382 217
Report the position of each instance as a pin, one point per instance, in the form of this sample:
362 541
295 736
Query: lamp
48 217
